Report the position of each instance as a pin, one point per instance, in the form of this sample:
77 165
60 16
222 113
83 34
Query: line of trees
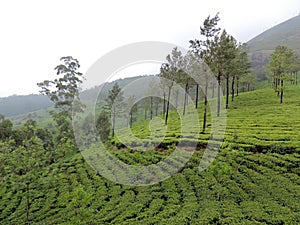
215 51
226 58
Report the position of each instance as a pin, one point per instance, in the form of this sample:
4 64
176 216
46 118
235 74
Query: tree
206 49
185 78
169 72
64 93
103 126
28 158
248 81
5 128
241 68
282 62
218 51
152 90
225 55
131 108
115 103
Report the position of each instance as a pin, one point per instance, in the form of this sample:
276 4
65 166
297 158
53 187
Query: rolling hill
22 104
20 108
262 46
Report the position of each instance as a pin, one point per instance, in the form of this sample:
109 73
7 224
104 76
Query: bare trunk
130 123
164 104
281 92
219 94
237 86
168 104
185 98
227 91
205 108
114 120
197 95
151 107
232 88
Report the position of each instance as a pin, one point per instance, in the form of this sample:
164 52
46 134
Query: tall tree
184 77
131 108
169 72
282 62
206 49
115 103
64 92
103 126
241 68
225 56
5 128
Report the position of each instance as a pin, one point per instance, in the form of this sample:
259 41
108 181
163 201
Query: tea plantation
254 179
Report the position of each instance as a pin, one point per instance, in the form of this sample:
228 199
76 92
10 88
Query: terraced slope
239 187
254 179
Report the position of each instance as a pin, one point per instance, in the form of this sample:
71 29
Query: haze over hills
262 46
21 104
19 108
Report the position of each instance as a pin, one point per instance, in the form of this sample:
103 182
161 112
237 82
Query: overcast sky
35 34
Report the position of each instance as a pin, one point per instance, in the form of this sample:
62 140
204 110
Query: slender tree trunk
277 86
176 102
205 108
130 123
227 91
213 89
232 88
237 86
197 95
185 98
168 104
164 104
114 120
296 79
151 108
281 92
219 94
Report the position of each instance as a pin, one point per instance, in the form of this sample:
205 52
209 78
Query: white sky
34 34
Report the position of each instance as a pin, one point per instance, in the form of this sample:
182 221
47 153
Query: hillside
254 179
261 47
21 108
22 104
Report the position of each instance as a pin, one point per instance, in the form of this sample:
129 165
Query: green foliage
239 187
5 128
103 126
283 61
253 180
64 93
115 104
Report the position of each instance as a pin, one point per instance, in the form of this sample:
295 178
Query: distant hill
21 104
262 46
21 108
